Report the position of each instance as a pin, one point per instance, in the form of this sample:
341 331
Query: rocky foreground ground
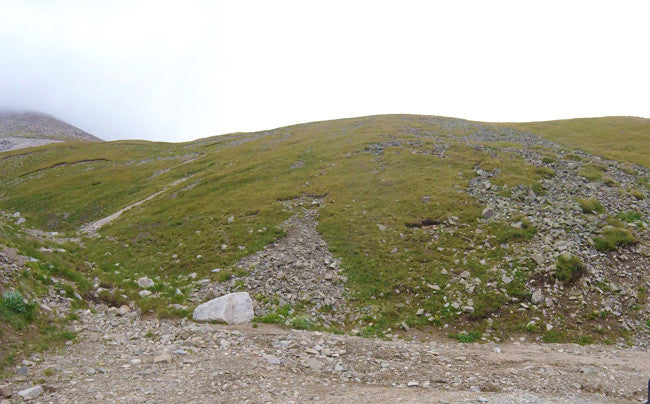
121 357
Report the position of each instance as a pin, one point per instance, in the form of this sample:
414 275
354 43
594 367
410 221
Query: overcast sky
177 71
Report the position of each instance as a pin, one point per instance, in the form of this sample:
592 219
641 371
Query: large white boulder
233 308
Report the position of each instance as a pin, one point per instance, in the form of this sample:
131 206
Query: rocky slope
27 129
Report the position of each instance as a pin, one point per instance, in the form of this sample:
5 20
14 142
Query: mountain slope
479 230
615 137
27 129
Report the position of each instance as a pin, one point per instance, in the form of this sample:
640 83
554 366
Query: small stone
272 359
497 349
537 297
123 310
548 302
144 293
231 219
22 371
165 357
488 213
31 392
145 282
413 384
482 399
5 392
419 312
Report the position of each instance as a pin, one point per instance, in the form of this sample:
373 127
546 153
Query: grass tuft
612 237
590 205
569 270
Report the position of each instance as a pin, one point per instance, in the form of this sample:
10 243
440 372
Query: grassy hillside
620 138
406 209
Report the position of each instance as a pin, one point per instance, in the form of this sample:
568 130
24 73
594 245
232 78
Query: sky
177 71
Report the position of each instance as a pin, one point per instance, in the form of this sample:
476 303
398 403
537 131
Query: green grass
629 217
569 270
592 172
555 336
619 138
509 234
468 337
590 205
612 237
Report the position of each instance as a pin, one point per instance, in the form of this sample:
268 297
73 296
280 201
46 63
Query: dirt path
128 359
92 227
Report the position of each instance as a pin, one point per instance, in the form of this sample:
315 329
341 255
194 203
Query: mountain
28 129
373 225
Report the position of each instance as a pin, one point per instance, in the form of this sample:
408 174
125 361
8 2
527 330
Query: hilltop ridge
20 129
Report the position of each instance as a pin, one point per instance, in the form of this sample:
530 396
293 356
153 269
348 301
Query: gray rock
5 391
145 282
233 308
314 363
272 359
144 293
537 297
165 357
31 392
488 213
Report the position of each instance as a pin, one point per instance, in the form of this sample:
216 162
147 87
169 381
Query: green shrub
554 336
467 337
573 157
16 310
548 160
487 303
590 205
299 323
585 340
512 235
569 269
612 238
629 217
14 301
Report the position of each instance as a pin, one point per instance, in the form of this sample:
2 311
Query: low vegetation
590 205
612 237
569 269
624 139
